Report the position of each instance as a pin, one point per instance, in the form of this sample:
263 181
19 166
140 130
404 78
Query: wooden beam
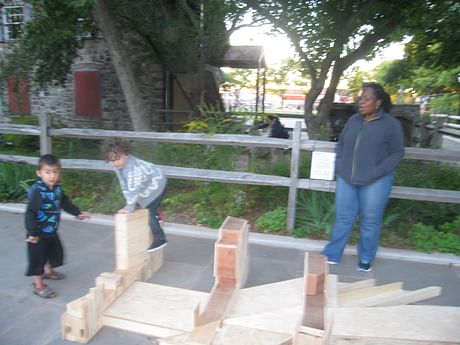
354 297
407 324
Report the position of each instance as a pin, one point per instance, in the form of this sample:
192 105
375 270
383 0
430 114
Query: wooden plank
202 335
307 339
83 317
411 193
316 274
217 139
267 298
157 305
352 297
132 238
138 327
294 176
230 253
280 321
314 312
183 138
359 284
237 335
314 300
400 298
216 305
331 291
413 324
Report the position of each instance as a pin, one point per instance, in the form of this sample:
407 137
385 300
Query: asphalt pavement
26 319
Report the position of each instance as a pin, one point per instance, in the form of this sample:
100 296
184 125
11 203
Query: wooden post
437 137
295 160
45 139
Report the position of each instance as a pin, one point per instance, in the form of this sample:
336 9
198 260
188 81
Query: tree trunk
319 127
311 120
138 109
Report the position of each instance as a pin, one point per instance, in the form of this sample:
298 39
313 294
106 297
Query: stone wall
59 101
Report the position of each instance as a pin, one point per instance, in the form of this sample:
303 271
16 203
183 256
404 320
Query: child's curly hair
114 148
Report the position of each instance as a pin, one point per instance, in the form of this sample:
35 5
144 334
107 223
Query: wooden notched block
316 275
231 252
83 317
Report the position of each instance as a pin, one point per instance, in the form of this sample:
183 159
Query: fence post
295 161
45 139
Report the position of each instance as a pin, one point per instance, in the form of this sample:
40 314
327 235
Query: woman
370 147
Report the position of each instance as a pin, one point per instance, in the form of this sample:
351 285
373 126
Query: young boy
44 248
141 182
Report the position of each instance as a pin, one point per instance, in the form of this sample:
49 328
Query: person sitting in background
276 129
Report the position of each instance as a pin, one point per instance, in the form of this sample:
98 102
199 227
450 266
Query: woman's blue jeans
154 223
367 202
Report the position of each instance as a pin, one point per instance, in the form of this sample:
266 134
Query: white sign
322 165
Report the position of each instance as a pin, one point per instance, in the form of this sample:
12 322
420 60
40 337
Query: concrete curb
267 239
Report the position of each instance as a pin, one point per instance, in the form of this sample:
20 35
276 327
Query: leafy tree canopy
436 36
329 36
179 34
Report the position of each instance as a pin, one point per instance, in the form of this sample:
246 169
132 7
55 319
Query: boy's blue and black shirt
43 212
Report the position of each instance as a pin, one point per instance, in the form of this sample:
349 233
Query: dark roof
244 57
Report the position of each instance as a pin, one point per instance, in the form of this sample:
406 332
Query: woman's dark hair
381 95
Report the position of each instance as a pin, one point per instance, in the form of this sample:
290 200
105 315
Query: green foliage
434 34
14 181
93 191
23 143
315 214
273 221
213 120
445 104
210 220
51 41
427 238
355 79
427 175
73 148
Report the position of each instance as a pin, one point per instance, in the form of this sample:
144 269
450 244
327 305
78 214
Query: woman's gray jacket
369 150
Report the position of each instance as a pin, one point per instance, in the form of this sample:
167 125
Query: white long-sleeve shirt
141 182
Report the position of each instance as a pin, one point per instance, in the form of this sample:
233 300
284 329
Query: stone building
92 96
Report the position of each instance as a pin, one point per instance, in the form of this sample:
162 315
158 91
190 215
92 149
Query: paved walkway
26 319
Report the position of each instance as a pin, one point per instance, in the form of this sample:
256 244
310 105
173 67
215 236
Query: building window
12 20
18 97
87 93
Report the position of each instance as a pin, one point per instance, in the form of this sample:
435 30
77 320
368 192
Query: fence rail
295 145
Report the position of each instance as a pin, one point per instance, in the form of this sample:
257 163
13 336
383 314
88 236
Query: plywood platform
156 305
313 310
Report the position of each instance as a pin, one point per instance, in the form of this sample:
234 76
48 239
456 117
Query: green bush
427 238
23 143
209 220
315 214
273 221
445 104
14 181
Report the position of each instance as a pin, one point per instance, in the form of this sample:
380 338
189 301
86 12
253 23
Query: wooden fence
296 144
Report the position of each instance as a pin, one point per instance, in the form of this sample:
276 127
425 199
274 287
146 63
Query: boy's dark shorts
47 250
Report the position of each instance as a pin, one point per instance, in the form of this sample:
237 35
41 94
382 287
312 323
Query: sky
279 48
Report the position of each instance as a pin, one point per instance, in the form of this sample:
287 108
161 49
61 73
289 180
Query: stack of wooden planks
313 310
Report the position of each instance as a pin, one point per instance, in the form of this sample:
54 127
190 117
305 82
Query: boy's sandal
44 292
54 276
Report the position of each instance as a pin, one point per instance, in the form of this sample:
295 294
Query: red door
87 93
18 96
